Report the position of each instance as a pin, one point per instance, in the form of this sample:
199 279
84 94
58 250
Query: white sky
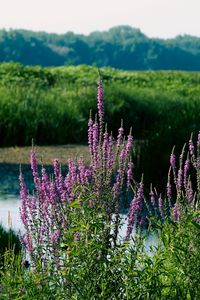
156 18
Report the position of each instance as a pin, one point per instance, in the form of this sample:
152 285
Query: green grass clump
51 104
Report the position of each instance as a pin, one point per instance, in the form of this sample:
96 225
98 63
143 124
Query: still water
9 209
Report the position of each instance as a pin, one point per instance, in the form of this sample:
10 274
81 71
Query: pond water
9 209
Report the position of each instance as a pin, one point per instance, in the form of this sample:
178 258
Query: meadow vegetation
72 226
51 105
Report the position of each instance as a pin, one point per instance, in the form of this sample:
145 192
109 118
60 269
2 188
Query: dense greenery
121 47
51 106
169 272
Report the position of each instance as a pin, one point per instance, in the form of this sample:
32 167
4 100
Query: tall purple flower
185 176
56 168
105 149
81 169
176 212
100 101
90 135
120 136
23 196
152 198
160 206
135 210
129 144
110 160
29 243
179 179
55 236
129 174
189 192
198 140
173 161
169 191
35 169
95 145
191 147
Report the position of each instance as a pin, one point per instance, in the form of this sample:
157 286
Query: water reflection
9 205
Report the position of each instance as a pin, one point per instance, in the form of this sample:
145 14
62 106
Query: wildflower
179 179
95 145
55 236
173 161
135 209
191 147
100 101
28 242
129 174
120 136
152 198
186 169
160 205
90 135
176 212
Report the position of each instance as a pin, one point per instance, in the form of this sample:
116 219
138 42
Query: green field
51 106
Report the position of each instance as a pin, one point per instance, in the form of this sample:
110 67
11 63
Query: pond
9 212
9 209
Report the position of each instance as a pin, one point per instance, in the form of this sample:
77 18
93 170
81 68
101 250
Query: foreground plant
72 228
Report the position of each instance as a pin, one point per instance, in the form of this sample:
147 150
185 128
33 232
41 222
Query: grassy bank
51 105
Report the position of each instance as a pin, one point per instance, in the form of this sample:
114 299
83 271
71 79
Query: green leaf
197 225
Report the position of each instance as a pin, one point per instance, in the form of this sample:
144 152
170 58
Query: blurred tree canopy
121 47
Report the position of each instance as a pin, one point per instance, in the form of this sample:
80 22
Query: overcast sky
156 18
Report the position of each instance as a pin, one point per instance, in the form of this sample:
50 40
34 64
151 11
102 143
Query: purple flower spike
23 190
189 193
129 144
179 179
186 169
56 168
55 236
100 101
29 244
176 212
152 198
198 139
169 190
105 148
160 206
135 210
110 160
191 147
95 145
173 161
120 136
129 174
90 135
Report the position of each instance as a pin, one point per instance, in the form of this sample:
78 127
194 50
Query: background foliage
121 47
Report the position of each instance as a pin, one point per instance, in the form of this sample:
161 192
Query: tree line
121 47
